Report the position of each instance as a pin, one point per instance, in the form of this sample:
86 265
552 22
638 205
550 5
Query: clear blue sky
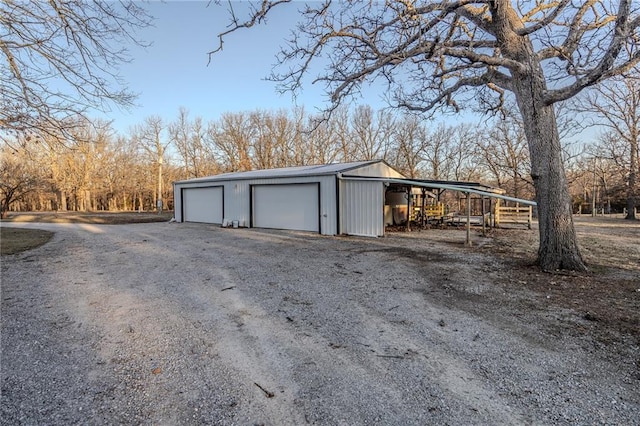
173 72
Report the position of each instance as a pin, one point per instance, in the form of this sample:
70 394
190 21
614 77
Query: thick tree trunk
4 206
62 200
558 244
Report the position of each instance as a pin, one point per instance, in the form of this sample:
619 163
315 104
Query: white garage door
287 207
202 204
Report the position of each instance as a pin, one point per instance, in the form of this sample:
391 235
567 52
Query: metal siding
237 197
362 208
237 202
177 202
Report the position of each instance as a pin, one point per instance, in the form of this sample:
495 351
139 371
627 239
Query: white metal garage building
346 198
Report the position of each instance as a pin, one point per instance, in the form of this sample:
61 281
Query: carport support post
492 217
409 208
484 229
424 201
468 242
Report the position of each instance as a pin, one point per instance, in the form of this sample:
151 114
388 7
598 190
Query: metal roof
462 188
456 187
473 185
323 169
341 168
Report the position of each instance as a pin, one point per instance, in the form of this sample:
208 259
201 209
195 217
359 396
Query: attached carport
467 189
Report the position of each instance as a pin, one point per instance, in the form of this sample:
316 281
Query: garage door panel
294 207
203 204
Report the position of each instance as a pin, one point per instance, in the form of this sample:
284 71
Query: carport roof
458 184
467 187
324 169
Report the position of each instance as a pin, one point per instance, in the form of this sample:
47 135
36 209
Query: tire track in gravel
193 324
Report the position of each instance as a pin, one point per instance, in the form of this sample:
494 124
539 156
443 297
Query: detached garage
346 198
349 198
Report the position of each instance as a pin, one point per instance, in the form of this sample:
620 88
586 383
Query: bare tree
60 58
149 137
616 105
371 133
504 152
409 142
17 177
232 138
128 181
273 135
90 170
196 150
440 152
77 164
180 135
462 157
339 120
453 54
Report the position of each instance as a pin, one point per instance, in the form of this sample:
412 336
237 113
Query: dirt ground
166 323
609 294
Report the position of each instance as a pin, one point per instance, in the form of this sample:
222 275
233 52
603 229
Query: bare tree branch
59 60
558 7
258 16
606 67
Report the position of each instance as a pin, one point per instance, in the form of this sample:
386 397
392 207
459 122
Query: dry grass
608 295
16 240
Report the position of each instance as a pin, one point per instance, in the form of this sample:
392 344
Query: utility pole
159 202
468 239
593 193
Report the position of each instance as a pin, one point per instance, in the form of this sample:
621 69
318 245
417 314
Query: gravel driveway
169 324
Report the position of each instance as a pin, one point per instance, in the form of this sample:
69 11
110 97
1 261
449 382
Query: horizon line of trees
95 169
432 57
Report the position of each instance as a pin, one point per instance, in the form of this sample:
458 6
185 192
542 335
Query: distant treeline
93 168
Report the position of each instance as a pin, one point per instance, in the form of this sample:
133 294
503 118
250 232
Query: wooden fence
434 211
520 215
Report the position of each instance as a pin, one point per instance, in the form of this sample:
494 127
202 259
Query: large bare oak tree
443 55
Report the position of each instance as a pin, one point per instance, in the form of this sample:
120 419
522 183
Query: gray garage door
294 206
202 204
